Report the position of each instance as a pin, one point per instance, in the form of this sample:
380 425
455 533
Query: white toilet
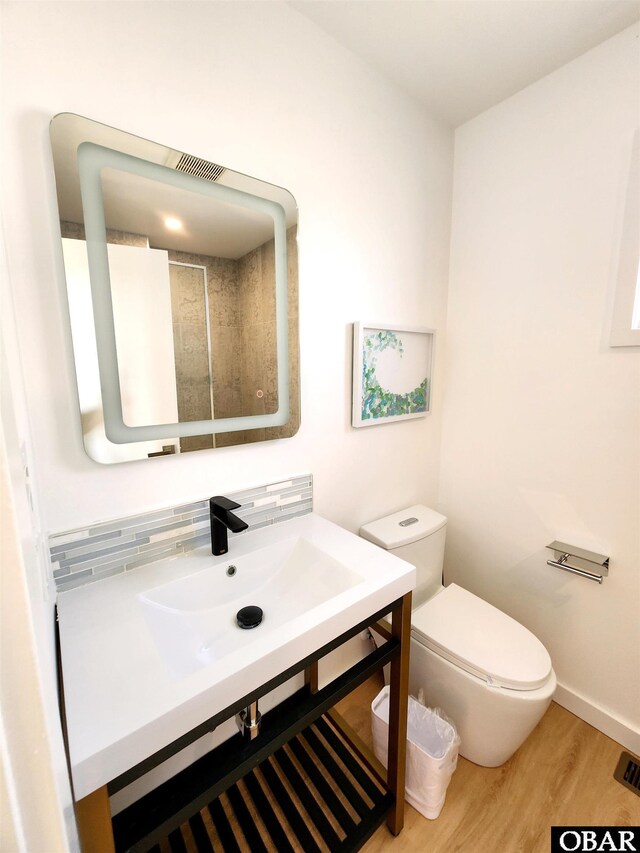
490 674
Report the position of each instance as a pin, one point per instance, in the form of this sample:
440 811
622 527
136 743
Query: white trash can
432 751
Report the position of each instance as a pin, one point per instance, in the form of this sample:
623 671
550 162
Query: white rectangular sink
193 620
149 655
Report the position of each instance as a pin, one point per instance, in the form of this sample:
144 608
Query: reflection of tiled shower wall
254 337
190 340
256 274
191 350
225 320
241 298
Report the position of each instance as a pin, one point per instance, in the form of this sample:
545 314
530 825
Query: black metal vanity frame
159 814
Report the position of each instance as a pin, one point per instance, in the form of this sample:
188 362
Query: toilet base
492 721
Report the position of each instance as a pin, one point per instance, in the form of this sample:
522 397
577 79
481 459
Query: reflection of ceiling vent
199 168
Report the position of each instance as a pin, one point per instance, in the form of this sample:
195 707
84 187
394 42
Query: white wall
30 748
257 87
541 430
32 755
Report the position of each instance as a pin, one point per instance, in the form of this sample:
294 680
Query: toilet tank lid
402 528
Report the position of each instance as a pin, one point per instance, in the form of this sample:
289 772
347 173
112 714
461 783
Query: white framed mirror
182 285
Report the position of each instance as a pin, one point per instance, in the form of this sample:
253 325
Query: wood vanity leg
398 701
93 817
311 677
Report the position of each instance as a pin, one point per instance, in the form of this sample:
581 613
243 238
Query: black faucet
221 521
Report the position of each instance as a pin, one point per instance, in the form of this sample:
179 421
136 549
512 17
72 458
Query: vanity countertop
124 703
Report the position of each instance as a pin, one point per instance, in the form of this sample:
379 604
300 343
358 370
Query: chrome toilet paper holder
597 565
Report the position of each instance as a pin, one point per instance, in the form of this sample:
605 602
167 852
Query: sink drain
249 617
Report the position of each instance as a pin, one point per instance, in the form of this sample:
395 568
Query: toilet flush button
407 521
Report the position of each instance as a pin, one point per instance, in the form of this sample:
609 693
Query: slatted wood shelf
314 795
176 803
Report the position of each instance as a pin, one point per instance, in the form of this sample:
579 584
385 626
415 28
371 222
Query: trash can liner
432 751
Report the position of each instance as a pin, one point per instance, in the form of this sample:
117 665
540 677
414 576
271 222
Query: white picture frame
392 373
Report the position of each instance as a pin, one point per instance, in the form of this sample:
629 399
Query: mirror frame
91 159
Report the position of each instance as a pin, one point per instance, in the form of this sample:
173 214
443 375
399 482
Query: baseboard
606 722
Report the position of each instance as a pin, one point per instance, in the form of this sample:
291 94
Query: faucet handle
223 503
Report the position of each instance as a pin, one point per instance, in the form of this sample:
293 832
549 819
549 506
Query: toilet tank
416 535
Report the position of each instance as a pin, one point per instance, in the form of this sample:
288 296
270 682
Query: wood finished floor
561 776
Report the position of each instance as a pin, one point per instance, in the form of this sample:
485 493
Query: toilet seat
482 640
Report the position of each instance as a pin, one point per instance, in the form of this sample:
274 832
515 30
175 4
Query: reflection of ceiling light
172 223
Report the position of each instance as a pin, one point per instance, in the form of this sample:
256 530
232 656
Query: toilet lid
481 639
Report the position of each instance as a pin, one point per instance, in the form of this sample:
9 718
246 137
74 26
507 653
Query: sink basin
151 654
193 619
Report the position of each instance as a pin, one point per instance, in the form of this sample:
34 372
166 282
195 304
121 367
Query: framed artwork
392 368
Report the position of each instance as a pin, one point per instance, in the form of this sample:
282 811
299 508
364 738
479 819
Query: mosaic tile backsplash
83 556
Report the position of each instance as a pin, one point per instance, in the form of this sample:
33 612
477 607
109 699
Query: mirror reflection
182 284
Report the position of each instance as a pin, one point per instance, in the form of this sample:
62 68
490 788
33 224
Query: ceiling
460 57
